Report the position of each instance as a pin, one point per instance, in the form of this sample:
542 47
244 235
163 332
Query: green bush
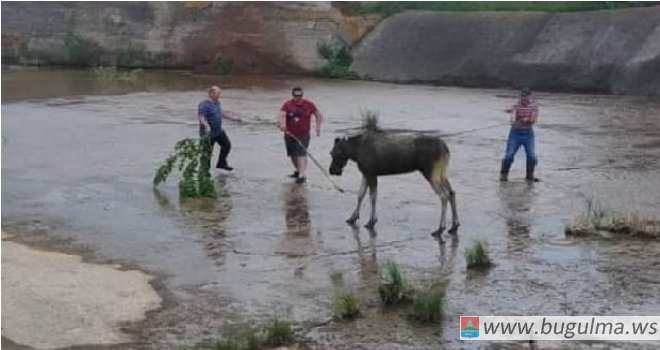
338 62
223 65
81 51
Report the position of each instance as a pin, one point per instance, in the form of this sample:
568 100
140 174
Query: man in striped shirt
524 115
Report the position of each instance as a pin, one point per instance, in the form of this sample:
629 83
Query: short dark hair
296 89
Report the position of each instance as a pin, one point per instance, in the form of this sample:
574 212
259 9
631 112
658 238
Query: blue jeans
520 137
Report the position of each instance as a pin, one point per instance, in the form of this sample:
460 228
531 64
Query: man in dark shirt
210 116
294 119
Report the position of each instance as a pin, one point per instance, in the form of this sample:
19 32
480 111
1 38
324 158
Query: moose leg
363 192
454 212
373 194
443 193
443 211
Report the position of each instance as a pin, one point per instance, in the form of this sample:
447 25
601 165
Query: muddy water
78 158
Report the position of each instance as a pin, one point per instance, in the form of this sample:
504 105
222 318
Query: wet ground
78 159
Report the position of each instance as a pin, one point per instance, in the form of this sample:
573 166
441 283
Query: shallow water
78 159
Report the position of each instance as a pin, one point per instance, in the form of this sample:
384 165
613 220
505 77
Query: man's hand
233 117
318 132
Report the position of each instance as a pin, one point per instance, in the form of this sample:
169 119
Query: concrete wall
610 51
613 51
259 36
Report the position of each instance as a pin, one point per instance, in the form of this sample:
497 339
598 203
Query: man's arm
281 120
232 116
535 117
202 121
319 121
512 119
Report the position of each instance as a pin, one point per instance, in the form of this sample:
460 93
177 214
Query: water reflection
517 201
23 82
204 216
297 242
368 259
297 220
448 261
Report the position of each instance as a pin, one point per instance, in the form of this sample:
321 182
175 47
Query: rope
473 130
327 176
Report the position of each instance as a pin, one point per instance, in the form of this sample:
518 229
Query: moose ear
337 140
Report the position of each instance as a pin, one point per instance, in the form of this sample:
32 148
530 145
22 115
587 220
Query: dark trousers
225 146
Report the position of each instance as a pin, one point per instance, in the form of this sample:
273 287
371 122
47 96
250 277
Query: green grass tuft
110 74
279 332
478 256
393 286
227 344
428 304
347 306
370 120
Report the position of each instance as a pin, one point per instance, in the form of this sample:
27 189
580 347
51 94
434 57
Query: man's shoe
504 171
294 175
301 180
530 172
224 166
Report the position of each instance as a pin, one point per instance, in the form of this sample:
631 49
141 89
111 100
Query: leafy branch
192 159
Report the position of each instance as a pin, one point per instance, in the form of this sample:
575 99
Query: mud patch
53 300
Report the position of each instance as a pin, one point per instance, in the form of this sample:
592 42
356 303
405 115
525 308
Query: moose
386 153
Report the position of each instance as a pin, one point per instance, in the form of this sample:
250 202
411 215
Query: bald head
214 93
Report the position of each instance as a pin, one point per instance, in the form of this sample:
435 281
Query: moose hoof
454 229
371 224
438 232
438 236
351 220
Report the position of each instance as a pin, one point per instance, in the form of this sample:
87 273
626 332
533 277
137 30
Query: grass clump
428 304
636 224
227 344
393 287
338 62
192 159
108 74
596 216
370 120
596 220
346 306
254 341
478 256
279 332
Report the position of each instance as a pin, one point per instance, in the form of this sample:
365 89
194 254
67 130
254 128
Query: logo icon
469 327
